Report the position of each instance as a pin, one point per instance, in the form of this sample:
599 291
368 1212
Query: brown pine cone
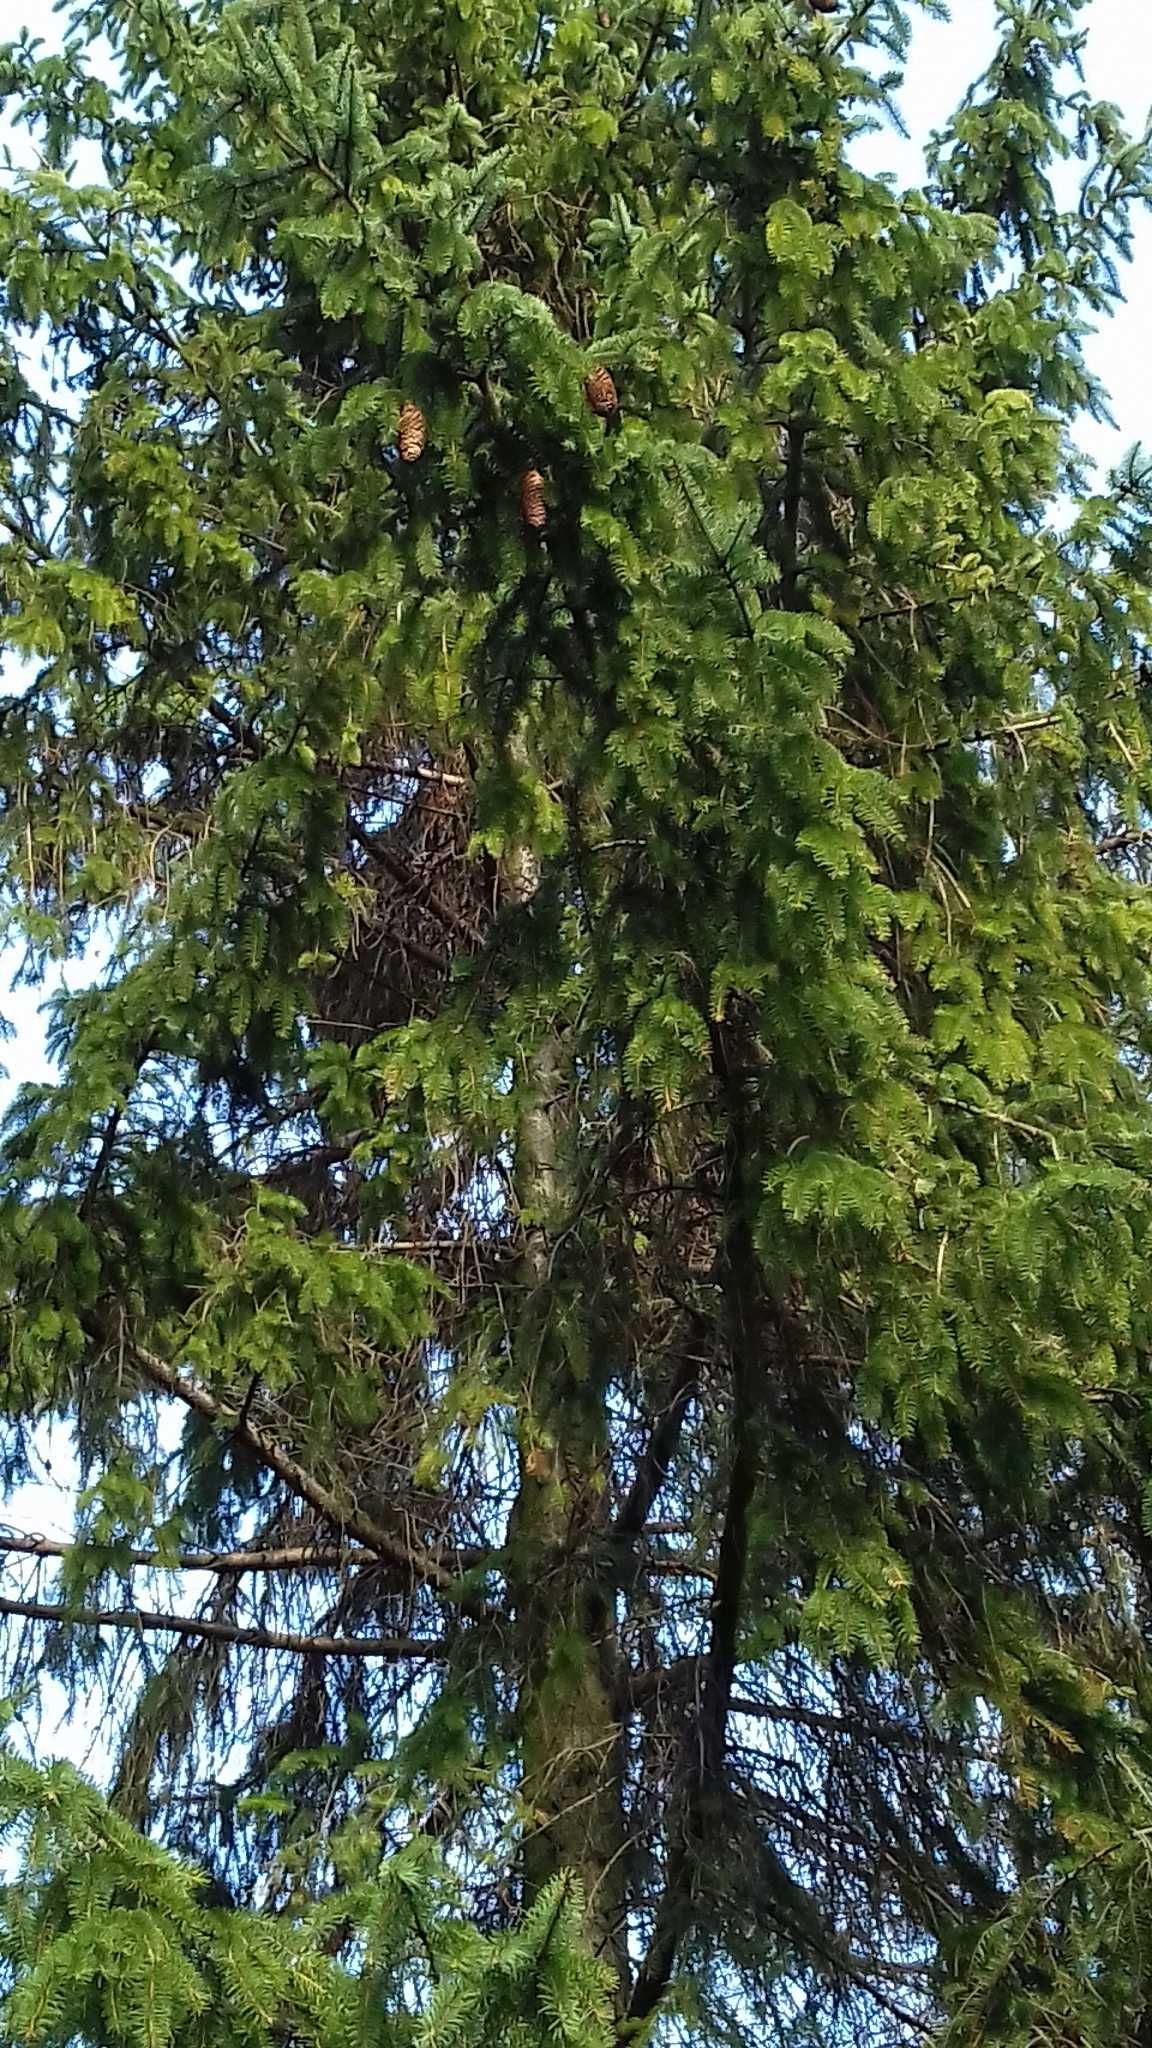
411 433
533 510
600 391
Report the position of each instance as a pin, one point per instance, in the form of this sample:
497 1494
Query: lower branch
295 1557
707 1735
141 1620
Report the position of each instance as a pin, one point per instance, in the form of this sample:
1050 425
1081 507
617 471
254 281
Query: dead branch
297 1557
393 1649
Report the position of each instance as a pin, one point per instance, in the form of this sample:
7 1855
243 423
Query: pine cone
533 510
600 392
411 433
823 6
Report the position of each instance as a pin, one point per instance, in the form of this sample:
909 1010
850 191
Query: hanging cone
824 6
600 392
411 433
533 510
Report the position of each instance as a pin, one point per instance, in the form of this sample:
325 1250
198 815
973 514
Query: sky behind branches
945 59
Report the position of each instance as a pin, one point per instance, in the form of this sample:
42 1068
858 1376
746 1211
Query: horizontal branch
890 1734
1123 842
444 775
411 1558
143 1621
681 1681
296 1557
663 1566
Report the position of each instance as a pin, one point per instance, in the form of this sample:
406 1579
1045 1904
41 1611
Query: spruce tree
593 1231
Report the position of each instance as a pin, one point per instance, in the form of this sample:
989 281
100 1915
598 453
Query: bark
571 1731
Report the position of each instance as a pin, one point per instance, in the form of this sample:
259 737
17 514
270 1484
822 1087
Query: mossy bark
569 1717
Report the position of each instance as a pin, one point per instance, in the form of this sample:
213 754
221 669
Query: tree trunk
571 1733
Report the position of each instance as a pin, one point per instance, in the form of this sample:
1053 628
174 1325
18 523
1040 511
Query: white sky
945 59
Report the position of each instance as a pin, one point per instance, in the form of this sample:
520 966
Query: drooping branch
682 1679
410 1557
141 1620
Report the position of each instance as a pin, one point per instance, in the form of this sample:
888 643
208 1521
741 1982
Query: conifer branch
682 1678
659 24
411 1558
143 1620
723 566
293 1557
26 537
792 510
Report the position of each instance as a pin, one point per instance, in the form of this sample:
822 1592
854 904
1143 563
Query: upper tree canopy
568 665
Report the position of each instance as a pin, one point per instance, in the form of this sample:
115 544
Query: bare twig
421 889
296 1557
141 1620
660 1450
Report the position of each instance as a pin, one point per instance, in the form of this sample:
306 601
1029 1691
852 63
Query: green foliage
615 1111
106 1938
